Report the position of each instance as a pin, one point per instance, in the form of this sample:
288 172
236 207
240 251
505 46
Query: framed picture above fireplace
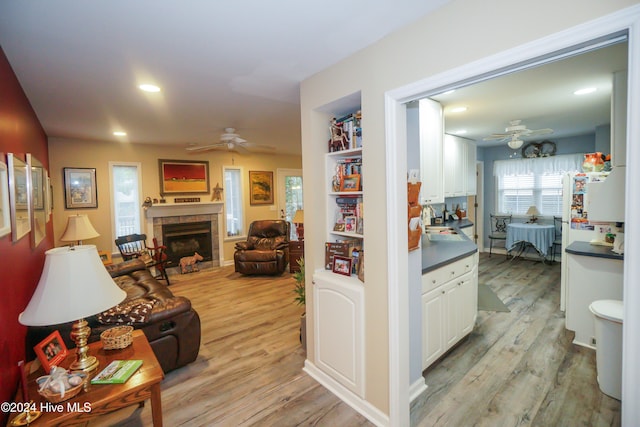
184 176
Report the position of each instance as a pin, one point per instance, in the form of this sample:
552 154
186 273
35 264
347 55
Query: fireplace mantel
179 209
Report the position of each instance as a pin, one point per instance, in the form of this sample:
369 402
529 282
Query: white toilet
608 323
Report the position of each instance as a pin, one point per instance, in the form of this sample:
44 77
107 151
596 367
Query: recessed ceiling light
448 92
585 91
120 133
149 88
459 109
460 132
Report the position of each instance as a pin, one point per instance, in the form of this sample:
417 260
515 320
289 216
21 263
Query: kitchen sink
441 230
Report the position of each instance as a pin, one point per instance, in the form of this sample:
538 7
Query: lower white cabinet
449 312
339 328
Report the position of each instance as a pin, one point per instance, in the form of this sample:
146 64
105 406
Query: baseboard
367 410
417 388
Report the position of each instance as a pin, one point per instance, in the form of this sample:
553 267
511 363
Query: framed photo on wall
261 187
184 176
51 350
80 189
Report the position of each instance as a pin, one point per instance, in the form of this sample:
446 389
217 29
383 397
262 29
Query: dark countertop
436 254
587 249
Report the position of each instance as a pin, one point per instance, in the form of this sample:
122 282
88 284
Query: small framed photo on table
51 351
342 265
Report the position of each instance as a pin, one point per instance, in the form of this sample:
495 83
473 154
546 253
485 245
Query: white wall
460 32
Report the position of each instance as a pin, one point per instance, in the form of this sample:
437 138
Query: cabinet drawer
442 275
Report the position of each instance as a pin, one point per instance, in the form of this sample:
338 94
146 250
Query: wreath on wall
539 149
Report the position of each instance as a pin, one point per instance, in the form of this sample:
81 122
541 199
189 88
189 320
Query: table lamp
533 211
79 228
298 220
74 284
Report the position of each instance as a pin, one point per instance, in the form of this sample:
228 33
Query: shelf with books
344 178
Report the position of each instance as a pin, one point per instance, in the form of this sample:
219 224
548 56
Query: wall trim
627 19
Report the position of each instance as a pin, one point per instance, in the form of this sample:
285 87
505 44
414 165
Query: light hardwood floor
516 368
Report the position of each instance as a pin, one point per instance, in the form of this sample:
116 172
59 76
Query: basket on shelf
117 338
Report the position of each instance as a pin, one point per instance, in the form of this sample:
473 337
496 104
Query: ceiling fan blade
216 146
496 136
541 132
239 140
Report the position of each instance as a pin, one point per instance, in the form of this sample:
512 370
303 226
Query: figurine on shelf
147 202
338 140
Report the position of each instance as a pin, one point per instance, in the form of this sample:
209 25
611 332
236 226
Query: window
125 197
525 182
517 192
233 201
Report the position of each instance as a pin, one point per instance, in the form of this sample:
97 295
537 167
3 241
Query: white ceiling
239 64
542 97
219 63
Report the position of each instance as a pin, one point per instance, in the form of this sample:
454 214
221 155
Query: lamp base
80 332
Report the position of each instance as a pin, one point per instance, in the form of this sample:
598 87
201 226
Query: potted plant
300 298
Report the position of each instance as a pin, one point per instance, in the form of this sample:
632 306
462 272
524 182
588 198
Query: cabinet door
431 133
339 329
472 156
468 305
455 177
432 326
452 309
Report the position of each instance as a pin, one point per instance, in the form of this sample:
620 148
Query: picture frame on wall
261 187
19 196
51 351
184 176
5 216
80 189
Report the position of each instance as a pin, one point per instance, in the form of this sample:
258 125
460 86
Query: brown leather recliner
266 250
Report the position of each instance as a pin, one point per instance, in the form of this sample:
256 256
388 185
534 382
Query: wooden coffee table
99 399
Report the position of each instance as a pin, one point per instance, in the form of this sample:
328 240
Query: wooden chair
498 229
135 246
557 241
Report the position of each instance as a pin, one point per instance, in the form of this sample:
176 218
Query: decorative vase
593 162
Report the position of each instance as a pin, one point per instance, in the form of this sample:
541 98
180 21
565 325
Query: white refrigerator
575 223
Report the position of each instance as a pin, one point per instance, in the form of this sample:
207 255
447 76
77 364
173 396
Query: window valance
539 165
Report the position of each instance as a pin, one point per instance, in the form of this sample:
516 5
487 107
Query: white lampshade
74 284
298 218
79 228
533 211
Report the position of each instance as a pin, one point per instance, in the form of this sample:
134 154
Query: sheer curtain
539 165
533 182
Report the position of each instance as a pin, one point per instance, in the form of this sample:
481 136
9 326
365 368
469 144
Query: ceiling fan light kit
231 141
514 132
515 144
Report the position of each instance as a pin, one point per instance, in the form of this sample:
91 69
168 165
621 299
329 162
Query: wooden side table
296 251
99 399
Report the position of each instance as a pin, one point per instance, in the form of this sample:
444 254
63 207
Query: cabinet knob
313 282
433 281
442 292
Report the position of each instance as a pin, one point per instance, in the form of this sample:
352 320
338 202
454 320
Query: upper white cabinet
619 119
459 166
431 167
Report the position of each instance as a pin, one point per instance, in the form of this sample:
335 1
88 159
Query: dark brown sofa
172 326
266 250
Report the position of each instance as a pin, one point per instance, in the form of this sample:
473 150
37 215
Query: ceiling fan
231 141
514 132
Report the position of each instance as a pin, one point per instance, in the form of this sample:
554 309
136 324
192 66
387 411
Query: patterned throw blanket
134 311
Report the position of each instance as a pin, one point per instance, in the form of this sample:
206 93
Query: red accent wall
20 264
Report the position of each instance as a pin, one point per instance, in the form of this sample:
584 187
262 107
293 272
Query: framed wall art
80 189
261 187
184 176
5 216
19 196
38 200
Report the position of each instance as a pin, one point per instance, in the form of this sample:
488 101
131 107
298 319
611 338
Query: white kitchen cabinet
472 157
431 167
454 166
449 307
590 279
339 328
459 166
